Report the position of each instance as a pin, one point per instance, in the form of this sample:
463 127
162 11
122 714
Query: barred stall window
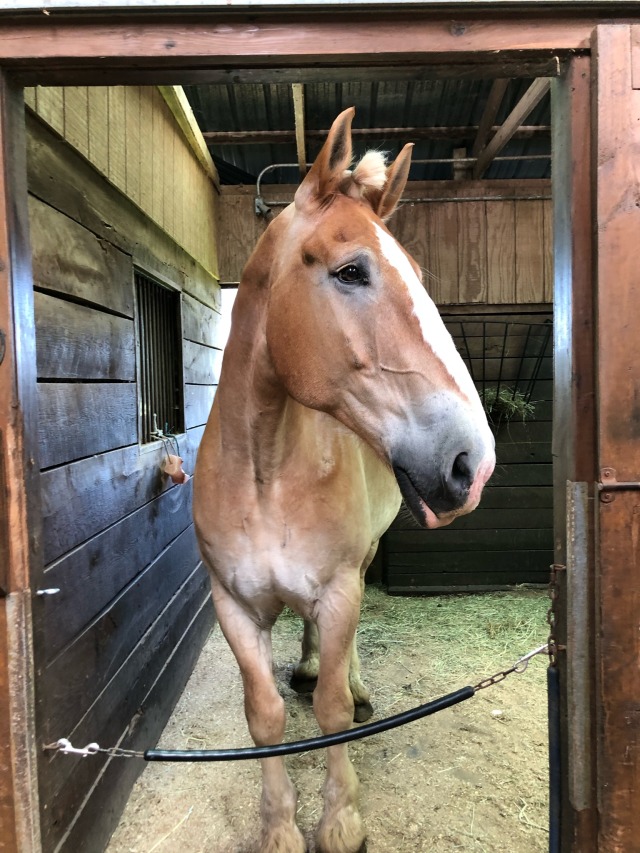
159 341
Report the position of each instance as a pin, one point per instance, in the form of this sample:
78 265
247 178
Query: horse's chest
271 566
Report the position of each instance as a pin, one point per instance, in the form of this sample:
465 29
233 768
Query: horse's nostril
461 475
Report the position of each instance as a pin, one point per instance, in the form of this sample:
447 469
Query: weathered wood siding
478 242
130 136
115 645
509 538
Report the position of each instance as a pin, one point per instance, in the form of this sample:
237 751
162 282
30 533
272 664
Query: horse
340 393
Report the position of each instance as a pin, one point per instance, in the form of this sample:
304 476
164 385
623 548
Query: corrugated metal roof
431 103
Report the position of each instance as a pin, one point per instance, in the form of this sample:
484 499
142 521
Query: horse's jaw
422 512
414 502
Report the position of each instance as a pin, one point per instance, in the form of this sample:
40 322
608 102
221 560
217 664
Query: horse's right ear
397 176
327 173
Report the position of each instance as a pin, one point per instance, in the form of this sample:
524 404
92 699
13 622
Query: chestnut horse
340 392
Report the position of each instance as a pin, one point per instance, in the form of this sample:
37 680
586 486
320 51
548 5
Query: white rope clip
65 747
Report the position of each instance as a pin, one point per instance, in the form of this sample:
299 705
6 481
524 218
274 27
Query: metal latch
608 485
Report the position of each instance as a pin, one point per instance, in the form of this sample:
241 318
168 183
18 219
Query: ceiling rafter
282 137
531 98
297 90
498 88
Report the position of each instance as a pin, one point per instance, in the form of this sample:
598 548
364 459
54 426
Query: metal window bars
160 359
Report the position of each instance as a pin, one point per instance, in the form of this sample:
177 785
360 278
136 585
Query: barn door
617 173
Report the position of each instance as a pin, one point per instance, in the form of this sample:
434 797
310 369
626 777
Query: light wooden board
471 252
131 137
68 183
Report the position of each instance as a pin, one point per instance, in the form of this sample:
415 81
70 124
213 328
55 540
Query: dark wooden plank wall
114 647
509 538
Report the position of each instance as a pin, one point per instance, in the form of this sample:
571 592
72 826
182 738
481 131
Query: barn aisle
472 778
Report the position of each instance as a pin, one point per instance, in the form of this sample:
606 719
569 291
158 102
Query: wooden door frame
19 487
144 49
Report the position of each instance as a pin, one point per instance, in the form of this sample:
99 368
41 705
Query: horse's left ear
327 173
397 175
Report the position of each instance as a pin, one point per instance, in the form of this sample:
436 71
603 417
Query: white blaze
433 329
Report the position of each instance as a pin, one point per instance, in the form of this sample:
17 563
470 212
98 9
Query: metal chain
65 747
554 593
518 667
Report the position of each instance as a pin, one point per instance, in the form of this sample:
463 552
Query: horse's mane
368 176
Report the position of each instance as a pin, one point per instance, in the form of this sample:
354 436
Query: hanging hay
507 404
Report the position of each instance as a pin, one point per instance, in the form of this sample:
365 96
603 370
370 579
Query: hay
506 405
451 637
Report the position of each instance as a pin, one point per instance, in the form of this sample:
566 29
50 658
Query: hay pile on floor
463 638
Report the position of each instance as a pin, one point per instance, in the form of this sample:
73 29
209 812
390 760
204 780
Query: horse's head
352 332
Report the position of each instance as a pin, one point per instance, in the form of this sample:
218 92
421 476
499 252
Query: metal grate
506 355
159 341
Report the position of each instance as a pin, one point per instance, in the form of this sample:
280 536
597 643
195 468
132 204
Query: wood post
19 812
574 441
617 173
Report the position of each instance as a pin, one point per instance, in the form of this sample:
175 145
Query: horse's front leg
340 829
265 712
305 674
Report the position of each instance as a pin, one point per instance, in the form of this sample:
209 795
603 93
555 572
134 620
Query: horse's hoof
362 712
342 833
284 839
361 849
303 683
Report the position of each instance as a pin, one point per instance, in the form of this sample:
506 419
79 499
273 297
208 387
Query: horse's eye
351 274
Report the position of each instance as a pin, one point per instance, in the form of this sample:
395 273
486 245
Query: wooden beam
531 98
503 64
20 554
574 441
54 42
286 137
616 227
498 88
461 171
297 90
177 102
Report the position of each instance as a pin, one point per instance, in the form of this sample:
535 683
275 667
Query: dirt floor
471 778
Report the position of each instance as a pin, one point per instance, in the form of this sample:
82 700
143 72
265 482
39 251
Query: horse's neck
251 399
254 408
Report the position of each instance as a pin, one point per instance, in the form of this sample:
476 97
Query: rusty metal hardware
609 484
554 591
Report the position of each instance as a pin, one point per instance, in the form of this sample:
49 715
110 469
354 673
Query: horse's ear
327 172
397 175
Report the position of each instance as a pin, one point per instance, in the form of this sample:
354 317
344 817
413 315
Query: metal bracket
608 485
